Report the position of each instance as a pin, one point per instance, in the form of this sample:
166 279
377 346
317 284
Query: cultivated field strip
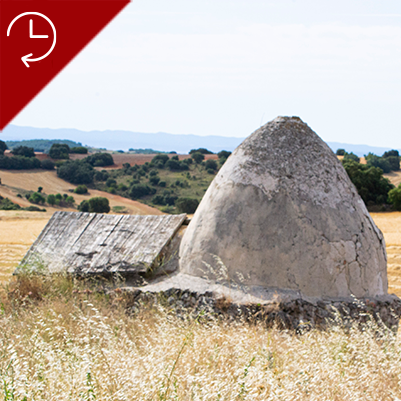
10 255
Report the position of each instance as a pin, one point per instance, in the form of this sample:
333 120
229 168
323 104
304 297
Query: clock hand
31 35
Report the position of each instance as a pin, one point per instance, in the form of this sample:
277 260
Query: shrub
173 165
187 205
210 171
394 197
351 156
7 204
391 153
36 198
76 172
19 163
394 162
141 172
3 147
79 150
47 164
224 154
138 191
40 189
51 200
162 184
100 159
211 165
111 182
122 187
198 157
59 151
81 189
369 181
95 205
154 180
170 200
159 200
376 161
84 206
101 175
23 151
34 209
69 200
341 152
203 151
160 160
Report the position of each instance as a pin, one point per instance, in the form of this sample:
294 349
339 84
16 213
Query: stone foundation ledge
287 309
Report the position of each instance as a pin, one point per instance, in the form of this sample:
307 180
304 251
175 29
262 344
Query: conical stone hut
283 214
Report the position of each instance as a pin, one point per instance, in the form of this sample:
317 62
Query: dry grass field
15 181
390 224
61 341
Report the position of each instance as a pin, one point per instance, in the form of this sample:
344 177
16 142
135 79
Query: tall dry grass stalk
76 345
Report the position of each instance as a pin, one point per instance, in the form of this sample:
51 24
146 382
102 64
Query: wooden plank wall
87 243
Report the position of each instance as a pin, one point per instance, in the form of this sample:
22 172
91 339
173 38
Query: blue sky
225 67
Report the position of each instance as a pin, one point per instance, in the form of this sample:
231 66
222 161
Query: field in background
390 224
18 181
18 230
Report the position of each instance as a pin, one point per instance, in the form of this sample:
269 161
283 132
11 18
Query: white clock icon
26 58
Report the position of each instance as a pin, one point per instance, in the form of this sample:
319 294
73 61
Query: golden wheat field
18 230
61 341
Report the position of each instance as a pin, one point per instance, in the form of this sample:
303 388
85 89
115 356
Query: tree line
372 186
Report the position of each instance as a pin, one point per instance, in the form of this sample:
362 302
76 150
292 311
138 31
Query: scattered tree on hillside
198 157
81 189
201 150
211 165
138 191
23 151
100 159
36 198
187 205
341 152
95 205
59 151
19 163
390 161
369 182
394 197
51 199
101 175
160 160
47 164
223 154
76 172
351 156
3 147
79 150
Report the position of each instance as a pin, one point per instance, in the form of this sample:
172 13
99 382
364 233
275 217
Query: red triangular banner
38 39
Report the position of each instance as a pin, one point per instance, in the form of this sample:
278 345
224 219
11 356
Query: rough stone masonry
282 214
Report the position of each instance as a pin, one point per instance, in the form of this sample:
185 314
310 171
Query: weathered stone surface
283 214
191 296
89 243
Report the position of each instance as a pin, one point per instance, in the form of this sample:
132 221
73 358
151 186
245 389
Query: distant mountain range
123 140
